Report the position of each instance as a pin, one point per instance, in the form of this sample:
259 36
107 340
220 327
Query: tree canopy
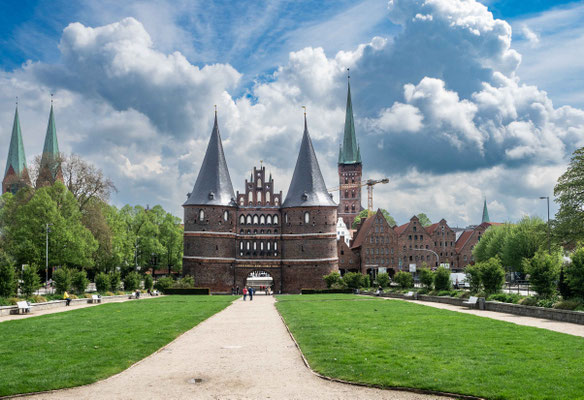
424 220
569 193
365 214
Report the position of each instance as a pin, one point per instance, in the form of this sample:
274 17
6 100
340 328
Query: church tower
50 168
350 169
485 213
16 173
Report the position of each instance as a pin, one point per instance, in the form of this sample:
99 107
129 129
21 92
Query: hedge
196 291
323 291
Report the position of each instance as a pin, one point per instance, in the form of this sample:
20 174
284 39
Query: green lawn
395 343
86 345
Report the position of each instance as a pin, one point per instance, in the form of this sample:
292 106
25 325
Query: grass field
86 345
395 343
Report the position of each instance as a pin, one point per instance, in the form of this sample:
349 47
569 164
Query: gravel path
243 352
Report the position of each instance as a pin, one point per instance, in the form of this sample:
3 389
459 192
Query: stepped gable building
229 236
16 173
50 168
444 241
350 169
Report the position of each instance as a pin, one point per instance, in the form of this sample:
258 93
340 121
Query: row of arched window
258 245
259 219
255 231
352 208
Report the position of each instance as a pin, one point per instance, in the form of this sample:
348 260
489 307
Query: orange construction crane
369 183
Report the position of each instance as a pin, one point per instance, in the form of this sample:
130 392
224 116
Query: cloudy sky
454 100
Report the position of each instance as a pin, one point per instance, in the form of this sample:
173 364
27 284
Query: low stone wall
575 317
7 310
442 299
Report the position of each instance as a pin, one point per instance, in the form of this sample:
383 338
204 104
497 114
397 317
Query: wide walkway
243 352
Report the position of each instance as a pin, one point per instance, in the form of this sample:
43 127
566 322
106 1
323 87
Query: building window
421 237
276 246
262 246
262 220
242 219
269 220
241 201
346 208
248 219
259 183
353 208
255 219
259 198
346 194
248 244
225 215
410 237
285 217
352 193
240 245
250 197
269 246
414 228
275 219
276 201
268 198
306 217
201 215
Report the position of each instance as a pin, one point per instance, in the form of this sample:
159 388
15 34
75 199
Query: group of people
248 291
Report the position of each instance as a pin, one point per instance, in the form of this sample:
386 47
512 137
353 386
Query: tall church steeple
485 213
350 153
50 168
16 173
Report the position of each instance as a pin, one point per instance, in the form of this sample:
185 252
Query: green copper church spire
16 158
350 153
485 213
51 144
50 168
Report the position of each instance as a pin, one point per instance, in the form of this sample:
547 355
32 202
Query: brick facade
350 176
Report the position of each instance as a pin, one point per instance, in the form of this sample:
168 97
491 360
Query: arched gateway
228 236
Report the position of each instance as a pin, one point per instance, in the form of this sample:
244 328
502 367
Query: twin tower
227 236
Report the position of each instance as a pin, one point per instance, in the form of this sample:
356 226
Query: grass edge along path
398 344
83 346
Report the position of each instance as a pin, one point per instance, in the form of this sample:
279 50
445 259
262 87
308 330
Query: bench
409 294
156 293
472 302
23 306
132 296
95 298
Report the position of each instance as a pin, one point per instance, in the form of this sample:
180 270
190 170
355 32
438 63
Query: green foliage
364 214
404 279
528 301
523 241
424 220
63 278
492 242
492 275
543 270
80 281
353 280
31 281
331 279
426 276
473 277
115 279
575 273
563 286
383 279
102 282
573 304
365 281
132 281
513 298
569 193
547 302
442 279
185 282
148 282
7 280
164 283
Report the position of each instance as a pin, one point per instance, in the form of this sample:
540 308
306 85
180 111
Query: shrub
38 299
31 281
575 273
102 282
13 300
543 270
547 302
442 279
473 277
132 281
563 286
446 293
463 294
331 279
185 282
148 282
427 278
353 280
383 279
365 281
7 280
119 293
528 301
63 280
115 279
404 279
110 293
87 295
568 304
492 275
164 283
513 298
80 281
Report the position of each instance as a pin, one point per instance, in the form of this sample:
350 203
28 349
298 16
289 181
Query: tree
80 281
492 242
426 276
523 241
569 194
575 273
424 220
383 279
332 279
353 280
131 281
492 275
442 279
63 278
102 282
365 213
404 279
148 282
543 270
115 281
473 277
563 286
7 280
31 281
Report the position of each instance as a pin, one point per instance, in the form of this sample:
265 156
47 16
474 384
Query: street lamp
47 230
548 222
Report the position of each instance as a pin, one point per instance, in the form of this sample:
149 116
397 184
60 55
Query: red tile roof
464 237
431 228
363 231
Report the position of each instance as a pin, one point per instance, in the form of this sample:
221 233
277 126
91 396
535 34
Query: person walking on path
244 293
67 298
251 290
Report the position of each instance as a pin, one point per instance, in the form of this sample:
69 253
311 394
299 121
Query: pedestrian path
242 352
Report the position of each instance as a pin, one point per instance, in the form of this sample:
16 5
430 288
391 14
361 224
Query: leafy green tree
492 242
365 213
543 270
31 281
102 282
7 280
115 281
473 277
426 276
353 280
148 282
492 275
523 241
569 194
404 279
164 283
63 278
424 220
383 279
575 273
131 281
331 279
442 279
80 281
365 281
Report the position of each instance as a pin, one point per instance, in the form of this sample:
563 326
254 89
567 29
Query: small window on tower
201 215
225 215
306 217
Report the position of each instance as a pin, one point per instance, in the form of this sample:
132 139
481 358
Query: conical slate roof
51 149
307 188
16 158
485 213
213 185
350 153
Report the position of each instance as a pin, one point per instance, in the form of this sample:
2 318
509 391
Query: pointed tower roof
50 154
485 213
16 158
213 185
350 153
307 188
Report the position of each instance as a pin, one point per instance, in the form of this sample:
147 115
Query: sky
455 101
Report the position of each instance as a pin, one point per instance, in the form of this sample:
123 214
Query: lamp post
47 230
547 198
